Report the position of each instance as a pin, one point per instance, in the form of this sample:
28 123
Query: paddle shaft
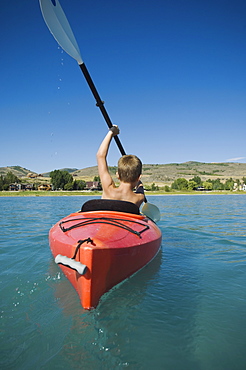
100 104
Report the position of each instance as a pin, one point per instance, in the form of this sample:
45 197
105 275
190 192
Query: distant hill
157 173
23 172
16 170
87 172
167 173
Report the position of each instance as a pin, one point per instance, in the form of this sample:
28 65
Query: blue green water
185 310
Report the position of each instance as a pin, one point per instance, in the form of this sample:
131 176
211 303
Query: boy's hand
115 130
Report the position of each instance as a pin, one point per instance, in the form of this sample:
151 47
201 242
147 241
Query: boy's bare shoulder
117 194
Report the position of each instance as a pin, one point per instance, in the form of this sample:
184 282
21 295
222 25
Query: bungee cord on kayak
85 221
80 242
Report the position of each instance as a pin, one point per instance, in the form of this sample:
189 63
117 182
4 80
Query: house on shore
44 187
93 185
32 175
20 187
239 186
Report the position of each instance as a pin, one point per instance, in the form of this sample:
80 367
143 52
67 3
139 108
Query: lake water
185 310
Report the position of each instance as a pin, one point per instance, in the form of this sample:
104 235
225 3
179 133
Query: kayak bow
98 249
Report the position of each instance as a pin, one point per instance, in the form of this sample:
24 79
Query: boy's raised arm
102 152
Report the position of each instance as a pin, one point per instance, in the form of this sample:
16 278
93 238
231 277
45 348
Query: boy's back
129 171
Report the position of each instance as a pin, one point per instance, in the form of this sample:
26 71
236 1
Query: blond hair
129 168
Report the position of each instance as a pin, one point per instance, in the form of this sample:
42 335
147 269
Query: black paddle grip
100 104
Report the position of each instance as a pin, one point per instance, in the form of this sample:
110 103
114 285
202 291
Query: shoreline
93 194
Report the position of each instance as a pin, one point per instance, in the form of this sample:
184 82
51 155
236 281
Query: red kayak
99 247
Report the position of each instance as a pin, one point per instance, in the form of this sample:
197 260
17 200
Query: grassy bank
99 193
34 193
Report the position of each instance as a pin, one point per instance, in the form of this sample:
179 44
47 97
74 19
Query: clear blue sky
172 74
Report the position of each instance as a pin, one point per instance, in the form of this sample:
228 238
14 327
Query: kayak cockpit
110 205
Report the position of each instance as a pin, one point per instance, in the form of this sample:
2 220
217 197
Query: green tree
217 185
68 186
207 185
174 185
197 180
60 178
180 184
79 185
229 184
8 179
192 185
1 182
154 187
167 189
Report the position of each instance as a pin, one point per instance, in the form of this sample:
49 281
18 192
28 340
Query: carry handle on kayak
71 263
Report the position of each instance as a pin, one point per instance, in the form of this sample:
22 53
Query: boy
129 172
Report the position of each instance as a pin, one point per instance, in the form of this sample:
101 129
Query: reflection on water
185 310
116 311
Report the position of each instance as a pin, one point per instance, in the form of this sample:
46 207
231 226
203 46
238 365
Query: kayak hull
112 245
